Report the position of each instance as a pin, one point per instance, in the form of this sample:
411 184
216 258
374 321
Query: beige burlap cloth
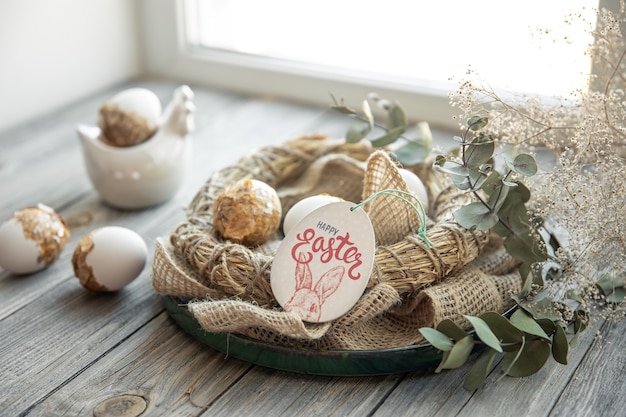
413 284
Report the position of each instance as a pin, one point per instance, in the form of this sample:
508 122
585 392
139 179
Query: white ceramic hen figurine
150 172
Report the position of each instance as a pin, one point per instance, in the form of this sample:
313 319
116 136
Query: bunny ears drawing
308 300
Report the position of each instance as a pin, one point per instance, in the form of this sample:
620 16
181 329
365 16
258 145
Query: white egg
109 258
415 185
305 206
32 239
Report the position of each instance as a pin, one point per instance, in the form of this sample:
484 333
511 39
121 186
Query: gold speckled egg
247 212
32 239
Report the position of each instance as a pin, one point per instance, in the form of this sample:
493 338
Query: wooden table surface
67 352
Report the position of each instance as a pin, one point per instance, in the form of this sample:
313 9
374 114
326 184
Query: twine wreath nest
411 285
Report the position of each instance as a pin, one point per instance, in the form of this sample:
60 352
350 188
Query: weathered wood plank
265 392
599 384
53 337
175 375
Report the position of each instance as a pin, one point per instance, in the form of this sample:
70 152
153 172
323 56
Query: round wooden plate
335 363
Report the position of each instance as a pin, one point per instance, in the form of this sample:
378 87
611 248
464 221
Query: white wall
55 52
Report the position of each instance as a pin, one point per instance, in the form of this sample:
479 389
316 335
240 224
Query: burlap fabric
412 284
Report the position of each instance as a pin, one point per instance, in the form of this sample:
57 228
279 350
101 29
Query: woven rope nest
411 285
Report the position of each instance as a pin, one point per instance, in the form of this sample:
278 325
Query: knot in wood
125 405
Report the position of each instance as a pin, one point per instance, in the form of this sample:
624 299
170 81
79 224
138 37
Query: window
401 49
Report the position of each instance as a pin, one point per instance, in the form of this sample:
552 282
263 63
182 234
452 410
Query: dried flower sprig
579 204
584 193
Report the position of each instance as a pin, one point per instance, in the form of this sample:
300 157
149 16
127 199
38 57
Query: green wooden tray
335 363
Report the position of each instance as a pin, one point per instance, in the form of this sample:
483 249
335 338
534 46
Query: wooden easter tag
323 265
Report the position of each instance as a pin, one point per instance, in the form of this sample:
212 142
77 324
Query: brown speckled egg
32 239
247 212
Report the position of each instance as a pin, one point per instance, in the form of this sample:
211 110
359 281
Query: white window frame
167 55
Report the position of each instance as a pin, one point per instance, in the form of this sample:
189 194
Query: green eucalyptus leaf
458 355
613 286
444 358
451 329
480 370
383 103
509 335
520 193
524 164
525 269
472 181
560 346
493 182
413 152
389 137
606 283
524 321
368 113
522 246
476 215
484 333
498 197
542 309
617 296
478 153
424 133
449 167
477 179
574 295
344 110
530 359
546 324
396 118
436 338
577 325
509 156
458 139
462 182
502 231
357 131
476 122
527 285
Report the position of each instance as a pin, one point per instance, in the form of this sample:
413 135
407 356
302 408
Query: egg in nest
247 212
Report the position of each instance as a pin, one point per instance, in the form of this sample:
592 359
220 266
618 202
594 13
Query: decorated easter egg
130 117
247 212
109 258
32 239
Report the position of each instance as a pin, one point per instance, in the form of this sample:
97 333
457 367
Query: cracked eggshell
32 239
415 185
109 258
130 117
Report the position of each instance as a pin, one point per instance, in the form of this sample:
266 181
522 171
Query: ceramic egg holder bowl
413 282
138 156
